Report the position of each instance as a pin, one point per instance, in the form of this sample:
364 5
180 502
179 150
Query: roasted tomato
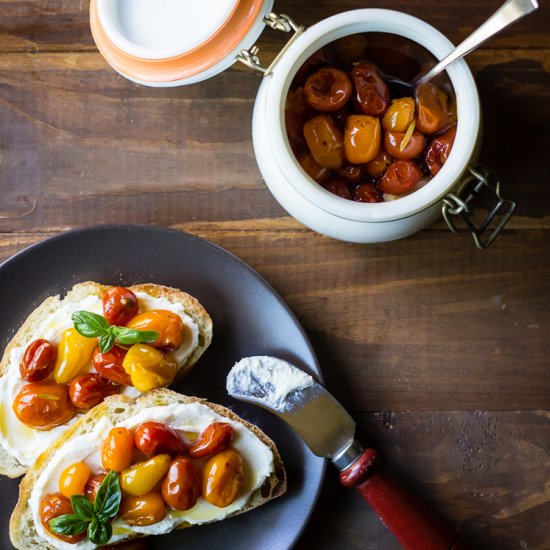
141 478
74 354
43 405
117 450
110 366
120 304
325 141
328 89
338 187
181 487
149 368
172 332
153 438
89 390
93 485
213 440
434 110
143 510
313 62
400 178
222 478
314 170
354 173
361 139
74 479
53 506
393 143
439 150
367 192
399 115
371 93
38 361
379 164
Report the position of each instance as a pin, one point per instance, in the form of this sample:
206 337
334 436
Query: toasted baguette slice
117 408
9 465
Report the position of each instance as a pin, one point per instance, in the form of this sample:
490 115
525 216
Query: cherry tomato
371 93
181 487
119 305
143 510
153 438
439 150
400 178
328 89
325 141
53 506
43 405
312 169
367 192
38 361
149 368
338 187
110 366
73 355
354 173
171 330
297 111
214 439
399 115
433 109
117 450
362 138
379 164
313 62
393 140
74 479
93 485
222 478
89 390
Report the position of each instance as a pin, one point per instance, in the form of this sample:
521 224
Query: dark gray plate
250 318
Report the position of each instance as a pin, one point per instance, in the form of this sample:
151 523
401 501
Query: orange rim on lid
201 58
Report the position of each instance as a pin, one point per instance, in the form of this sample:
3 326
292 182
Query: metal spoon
510 12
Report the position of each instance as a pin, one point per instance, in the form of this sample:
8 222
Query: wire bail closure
280 22
461 206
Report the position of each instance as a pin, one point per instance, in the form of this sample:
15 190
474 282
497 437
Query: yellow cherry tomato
149 368
222 478
74 354
142 478
399 114
362 138
73 479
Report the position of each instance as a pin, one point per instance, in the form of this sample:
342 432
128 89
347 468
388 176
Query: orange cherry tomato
325 141
43 405
117 450
153 438
371 93
338 187
89 390
53 506
362 138
328 89
354 173
433 109
314 170
74 479
415 145
439 150
38 361
143 510
168 324
214 439
109 365
181 487
93 485
399 115
400 178
367 192
222 478
120 304
379 164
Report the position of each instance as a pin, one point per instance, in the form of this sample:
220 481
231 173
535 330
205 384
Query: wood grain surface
440 351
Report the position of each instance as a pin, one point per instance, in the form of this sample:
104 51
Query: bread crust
9 465
117 408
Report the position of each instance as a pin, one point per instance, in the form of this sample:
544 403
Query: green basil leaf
107 500
106 342
82 507
88 324
68 524
127 336
100 532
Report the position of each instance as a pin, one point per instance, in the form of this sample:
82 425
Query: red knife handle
413 525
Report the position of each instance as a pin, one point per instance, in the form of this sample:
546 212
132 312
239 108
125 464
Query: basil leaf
127 336
88 324
68 524
100 532
107 500
106 342
82 507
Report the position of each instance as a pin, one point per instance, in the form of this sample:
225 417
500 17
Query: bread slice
9 465
117 408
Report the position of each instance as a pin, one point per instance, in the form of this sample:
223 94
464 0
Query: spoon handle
508 13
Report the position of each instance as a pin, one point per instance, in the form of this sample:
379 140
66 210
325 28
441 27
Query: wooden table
440 351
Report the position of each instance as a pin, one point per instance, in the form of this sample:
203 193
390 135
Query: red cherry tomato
38 361
338 187
400 178
439 150
119 305
110 366
393 140
213 440
328 89
371 93
320 57
354 173
89 390
367 192
153 438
